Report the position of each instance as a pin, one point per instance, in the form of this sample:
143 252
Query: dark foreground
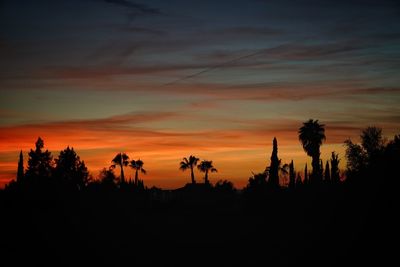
325 227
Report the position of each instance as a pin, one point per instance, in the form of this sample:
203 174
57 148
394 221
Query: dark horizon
55 213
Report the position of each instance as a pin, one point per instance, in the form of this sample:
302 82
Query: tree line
373 154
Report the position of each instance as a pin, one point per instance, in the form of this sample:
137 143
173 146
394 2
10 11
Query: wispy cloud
134 6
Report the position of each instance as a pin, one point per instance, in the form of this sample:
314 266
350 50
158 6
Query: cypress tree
298 180
274 167
327 175
20 171
292 175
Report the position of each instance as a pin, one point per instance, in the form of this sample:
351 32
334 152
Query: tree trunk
122 175
206 177
136 177
192 174
315 169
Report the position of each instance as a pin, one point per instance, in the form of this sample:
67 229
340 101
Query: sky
161 80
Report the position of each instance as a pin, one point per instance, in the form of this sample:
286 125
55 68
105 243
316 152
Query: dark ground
324 227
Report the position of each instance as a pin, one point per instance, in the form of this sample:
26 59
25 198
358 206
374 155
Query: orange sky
235 153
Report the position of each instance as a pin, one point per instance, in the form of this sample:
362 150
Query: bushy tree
224 186
257 183
40 164
107 177
392 161
361 157
372 142
71 169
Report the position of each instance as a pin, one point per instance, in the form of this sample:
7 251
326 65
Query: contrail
214 67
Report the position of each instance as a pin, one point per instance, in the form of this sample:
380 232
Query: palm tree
137 165
189 164
206 166
311 136
121 159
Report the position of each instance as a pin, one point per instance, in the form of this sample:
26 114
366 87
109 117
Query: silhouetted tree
206 166
393 147
321 169
335 176
20 171
189 163
359 157
356 157
107 177
40 164
392 152
372 142
305 175
121 159
273 170
71 169
282 172
137 165
392 161
311 136
257 183
327 176
224 186
299 182
292 176
365 160
140 184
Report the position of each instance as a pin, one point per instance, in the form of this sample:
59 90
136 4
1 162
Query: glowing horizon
162 157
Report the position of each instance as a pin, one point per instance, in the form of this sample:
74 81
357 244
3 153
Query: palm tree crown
311 136
189 163
206 166
121 159
137 165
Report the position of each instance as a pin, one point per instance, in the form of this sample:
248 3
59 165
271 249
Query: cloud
296 51
142 30
134 6
245 32
286 52
114 122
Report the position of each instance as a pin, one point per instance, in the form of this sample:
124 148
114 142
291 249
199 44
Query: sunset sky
161 80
